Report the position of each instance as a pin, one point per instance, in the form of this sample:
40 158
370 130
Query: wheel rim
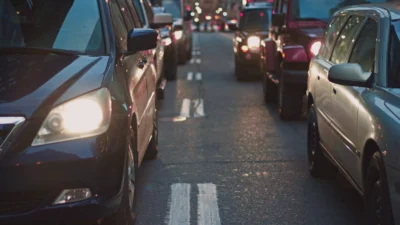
377 201
312 144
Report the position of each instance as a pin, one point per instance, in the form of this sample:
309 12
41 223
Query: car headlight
178 34
253 42
84 116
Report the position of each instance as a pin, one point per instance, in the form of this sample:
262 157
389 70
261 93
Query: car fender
294 53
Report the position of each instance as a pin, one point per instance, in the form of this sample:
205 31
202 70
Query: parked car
170 65
147 19
182 28
77 111
354 106
253 27
294 39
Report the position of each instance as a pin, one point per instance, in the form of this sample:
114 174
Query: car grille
20 202
8 126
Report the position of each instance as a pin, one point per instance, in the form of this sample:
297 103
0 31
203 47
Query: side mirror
278 20
349 74
141 40
188 16
162 20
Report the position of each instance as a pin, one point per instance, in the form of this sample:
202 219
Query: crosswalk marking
198 61
198 76
185 109
179 213
190 76
192 61
208 212
198 105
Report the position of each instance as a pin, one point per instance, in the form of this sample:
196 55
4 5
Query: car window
149 11
120 29
364 48
255 20
126 14
331 34
74 26
134 13
139 9
346 39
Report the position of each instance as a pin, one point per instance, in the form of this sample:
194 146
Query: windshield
72 25
255 20
173 7
322 9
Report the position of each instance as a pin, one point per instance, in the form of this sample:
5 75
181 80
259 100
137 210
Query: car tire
290 101
171 70
189 54
376 193
152 149
182 57
318 164
270 92
126 214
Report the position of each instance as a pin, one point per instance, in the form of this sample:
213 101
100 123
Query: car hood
29 82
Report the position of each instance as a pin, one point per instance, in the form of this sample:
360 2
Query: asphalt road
232 161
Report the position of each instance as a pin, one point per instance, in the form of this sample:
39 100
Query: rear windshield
72 25
173 7
258 19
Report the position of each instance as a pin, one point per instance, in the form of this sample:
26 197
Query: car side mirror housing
141 40
188 16
349 74
278 20
162 20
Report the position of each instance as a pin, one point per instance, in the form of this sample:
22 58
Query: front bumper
33 178
249 59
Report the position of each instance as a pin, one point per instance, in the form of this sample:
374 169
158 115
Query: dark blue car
77 110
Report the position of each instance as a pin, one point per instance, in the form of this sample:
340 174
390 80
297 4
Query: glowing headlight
178 34
253 42
85 116
314 49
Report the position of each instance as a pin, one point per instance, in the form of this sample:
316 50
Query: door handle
334 91
318 77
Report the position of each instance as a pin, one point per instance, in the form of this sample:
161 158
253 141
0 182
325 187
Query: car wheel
270 92
172 69
182 57
376 197
318 164
290 101
126 215
152 149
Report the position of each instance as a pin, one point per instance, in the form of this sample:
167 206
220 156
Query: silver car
354 106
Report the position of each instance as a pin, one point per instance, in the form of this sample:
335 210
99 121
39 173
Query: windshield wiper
34 50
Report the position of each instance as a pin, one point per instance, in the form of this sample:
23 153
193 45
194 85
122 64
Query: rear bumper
296 77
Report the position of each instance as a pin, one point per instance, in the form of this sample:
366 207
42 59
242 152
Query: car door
129 65
346 99
322 87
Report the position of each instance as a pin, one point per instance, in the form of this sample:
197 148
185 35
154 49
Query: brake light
315 47
244 48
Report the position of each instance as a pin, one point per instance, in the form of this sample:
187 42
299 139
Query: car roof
392 7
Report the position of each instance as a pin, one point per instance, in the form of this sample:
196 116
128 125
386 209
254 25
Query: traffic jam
199 112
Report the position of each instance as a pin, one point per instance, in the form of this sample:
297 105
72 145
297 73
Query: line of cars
342 58
79 81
